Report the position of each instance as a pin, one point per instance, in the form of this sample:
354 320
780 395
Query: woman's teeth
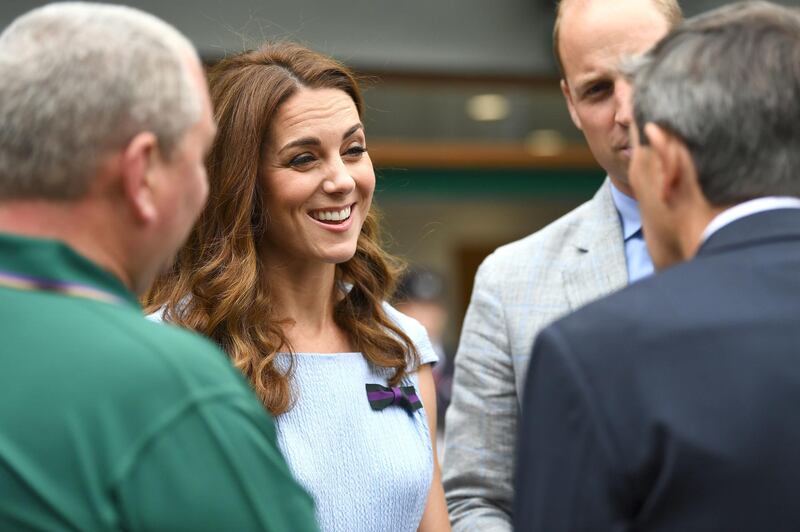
331 216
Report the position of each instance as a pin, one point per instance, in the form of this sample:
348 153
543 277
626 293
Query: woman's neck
305 296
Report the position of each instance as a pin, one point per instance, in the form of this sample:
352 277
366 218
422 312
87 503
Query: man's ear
570 106
673 156
138 165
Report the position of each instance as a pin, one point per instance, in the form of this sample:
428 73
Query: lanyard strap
24 282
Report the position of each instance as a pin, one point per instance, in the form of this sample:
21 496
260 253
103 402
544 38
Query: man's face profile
649 182
183 181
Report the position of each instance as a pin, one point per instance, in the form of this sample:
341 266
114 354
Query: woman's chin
339 256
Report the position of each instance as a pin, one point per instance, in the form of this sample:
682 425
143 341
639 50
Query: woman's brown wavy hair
217 286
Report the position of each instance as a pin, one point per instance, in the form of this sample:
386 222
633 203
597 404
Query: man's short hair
669 8
78 80
727 83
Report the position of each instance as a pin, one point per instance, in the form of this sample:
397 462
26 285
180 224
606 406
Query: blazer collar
761 227
597 263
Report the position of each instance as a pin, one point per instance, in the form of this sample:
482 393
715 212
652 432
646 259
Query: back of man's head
80 80
727 83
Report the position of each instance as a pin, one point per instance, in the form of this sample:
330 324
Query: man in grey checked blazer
524 286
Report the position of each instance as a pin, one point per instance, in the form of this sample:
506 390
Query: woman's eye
356 151
302 160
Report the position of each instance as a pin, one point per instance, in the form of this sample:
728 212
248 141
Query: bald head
669 10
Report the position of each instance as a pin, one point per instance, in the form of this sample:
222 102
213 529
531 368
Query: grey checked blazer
519 289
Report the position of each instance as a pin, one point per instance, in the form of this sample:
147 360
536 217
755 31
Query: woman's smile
334 219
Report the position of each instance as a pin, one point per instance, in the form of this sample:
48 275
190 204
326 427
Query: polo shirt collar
52 261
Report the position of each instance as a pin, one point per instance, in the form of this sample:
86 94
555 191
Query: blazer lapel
598 265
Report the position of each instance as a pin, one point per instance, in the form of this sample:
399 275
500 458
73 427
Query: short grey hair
727 83
79 80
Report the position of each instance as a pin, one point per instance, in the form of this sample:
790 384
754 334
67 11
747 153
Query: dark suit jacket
675 403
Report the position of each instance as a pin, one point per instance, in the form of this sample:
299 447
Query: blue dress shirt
637 258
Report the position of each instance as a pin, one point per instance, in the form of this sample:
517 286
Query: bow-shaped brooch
380 397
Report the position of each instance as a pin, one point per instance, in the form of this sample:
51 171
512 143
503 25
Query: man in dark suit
672 405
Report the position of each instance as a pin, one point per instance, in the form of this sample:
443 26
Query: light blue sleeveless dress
366 470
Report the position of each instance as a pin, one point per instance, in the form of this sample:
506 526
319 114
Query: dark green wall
459 184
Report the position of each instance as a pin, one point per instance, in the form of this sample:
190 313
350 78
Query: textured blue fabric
367 470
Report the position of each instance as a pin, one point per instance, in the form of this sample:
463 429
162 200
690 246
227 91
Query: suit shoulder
543 245
642 313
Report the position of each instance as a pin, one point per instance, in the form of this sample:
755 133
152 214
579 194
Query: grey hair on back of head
727 83
79 80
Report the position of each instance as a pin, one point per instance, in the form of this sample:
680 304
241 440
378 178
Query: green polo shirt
111 422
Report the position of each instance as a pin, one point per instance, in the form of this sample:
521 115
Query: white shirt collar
748 208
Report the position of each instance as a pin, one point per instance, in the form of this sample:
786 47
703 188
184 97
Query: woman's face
317 177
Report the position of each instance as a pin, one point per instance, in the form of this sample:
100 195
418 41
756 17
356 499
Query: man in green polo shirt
109 421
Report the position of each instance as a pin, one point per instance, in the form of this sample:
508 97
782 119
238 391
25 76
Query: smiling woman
318 180
285 271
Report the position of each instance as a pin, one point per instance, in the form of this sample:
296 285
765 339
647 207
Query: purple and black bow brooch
381 396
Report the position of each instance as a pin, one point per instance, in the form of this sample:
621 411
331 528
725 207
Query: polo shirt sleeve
213 466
